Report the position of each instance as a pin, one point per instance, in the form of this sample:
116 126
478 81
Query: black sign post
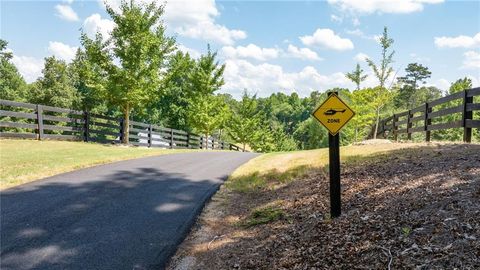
333 114
334 166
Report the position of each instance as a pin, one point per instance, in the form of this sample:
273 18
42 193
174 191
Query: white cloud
355 22
471 60
267 79
66 12
442 84
458 42
382 6
195 19
360 57
212 32
328 39
62 51
29 67
356 32
95 23
192 52
302 53
335 18
250 51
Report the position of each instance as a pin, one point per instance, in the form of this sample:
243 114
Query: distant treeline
139 73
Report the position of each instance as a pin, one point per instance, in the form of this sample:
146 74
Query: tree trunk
243 150
376 123
126 129
356 131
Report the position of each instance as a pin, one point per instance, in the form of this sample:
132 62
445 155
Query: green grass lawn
22 161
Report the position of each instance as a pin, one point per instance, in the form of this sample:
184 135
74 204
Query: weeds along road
125 215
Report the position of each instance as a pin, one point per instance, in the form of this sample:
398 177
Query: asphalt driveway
125 215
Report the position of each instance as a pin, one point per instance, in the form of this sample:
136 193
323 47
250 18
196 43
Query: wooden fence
458 109
33 121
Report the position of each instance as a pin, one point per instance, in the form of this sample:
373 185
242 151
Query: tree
208 113
364 112
12 85
208 74
382 72
245 120
173 104
460 85
85 76
132 59
415 75
356 76
55 87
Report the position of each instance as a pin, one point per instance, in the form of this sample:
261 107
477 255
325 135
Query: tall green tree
382 71
245 120
55 86
356 76
85 77
207 76
12 84
132 59
173 103
415 74
207 112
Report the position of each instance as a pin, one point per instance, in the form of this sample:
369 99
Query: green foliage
263 215
384 69
131 60
245 120
207 114
356 76
460 85
177 94
409 96
12 85
382 72
55 87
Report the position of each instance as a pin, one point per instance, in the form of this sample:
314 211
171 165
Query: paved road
124 215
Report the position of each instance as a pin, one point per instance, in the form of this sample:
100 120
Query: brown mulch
411 209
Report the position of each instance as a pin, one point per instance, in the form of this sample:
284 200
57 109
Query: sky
271 46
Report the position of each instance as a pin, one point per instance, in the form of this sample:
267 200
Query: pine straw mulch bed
411 209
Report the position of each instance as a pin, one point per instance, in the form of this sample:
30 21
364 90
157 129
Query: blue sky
271 46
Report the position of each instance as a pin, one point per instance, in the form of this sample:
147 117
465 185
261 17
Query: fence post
40 122
188 140
122 128
213 143
394 127
171 138
427 122
149 135
223 145
467 115
86 126
409 125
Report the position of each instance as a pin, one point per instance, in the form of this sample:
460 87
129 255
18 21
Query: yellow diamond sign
333 114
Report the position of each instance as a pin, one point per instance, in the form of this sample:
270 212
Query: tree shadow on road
123 220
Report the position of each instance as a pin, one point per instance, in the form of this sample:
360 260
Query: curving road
125 215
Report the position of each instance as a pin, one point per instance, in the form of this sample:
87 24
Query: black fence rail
40 122
453 111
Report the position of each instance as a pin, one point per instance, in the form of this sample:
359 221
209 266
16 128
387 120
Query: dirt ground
408 209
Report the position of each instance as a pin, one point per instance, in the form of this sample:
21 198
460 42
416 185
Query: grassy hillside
27 160
284 166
